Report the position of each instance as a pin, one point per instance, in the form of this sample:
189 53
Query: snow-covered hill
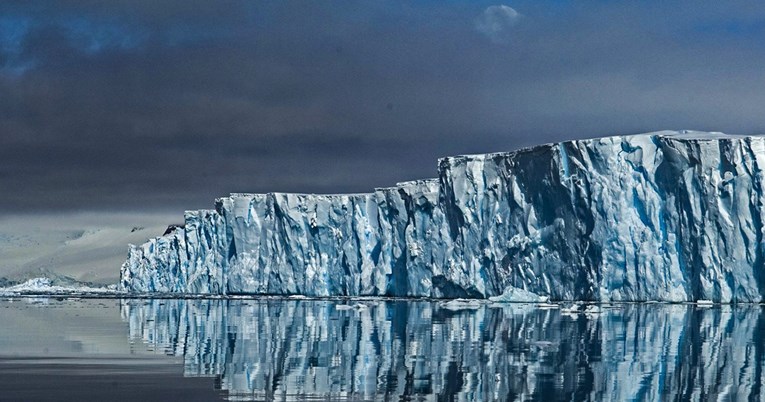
83 247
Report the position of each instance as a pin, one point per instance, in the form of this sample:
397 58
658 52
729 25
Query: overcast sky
143 105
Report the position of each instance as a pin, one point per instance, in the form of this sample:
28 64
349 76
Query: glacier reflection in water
392 350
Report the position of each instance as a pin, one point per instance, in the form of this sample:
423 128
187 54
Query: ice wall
670 216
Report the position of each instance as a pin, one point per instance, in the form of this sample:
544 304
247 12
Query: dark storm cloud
147 104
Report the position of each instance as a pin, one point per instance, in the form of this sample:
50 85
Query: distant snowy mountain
70 249
671 216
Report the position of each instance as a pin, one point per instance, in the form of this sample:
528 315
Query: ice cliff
669 216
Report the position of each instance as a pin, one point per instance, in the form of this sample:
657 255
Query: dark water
269 349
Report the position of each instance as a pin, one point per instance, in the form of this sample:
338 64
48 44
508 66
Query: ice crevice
666 216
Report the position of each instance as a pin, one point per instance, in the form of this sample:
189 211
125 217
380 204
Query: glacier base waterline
665 216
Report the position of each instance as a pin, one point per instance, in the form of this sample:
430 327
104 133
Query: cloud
131 105
496 21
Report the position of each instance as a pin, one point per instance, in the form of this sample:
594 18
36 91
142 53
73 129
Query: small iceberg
351 307
461 304
592 310
517 295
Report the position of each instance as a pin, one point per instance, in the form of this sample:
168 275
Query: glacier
664 216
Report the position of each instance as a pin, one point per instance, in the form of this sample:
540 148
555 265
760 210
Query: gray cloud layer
145 105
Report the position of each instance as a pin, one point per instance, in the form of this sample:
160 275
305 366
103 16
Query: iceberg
512 294
664 216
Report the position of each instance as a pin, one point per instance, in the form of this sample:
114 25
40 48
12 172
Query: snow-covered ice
669 216
71 247
44 286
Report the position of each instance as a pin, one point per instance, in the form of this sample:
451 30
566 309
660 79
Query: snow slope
71 247
670 216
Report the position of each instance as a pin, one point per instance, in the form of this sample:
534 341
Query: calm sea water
276 349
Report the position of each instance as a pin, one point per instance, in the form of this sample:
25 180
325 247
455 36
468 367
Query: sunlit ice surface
377 349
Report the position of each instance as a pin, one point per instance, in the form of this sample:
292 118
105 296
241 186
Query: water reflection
393 350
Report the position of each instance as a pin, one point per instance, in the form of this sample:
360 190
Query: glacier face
669 216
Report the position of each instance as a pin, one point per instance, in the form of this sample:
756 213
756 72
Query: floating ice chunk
515 295
592 310
461 304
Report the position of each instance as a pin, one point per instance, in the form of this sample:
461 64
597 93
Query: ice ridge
666 216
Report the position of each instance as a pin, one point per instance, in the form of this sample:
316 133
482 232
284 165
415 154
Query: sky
147 105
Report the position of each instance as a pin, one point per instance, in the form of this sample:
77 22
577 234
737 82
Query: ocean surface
297 349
